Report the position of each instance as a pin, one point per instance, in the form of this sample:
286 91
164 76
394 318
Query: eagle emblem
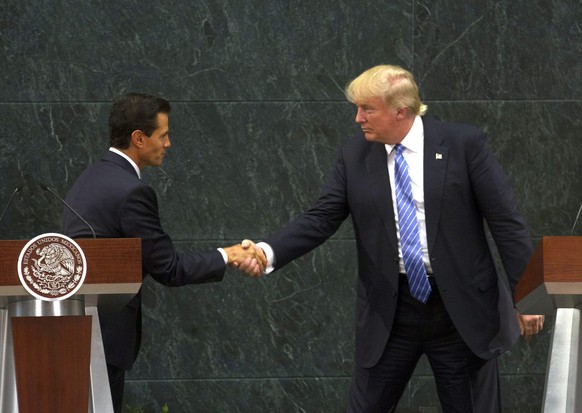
52 267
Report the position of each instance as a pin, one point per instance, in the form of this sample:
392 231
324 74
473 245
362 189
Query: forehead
162 120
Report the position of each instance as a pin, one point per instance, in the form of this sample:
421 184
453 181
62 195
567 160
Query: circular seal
52 267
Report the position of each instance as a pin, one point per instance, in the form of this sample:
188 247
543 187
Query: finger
260 254
252 268
262 263
246 265
254 271
521 325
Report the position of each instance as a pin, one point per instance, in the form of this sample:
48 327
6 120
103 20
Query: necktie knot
399 149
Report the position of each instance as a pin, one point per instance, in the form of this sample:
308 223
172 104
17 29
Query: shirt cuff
270 256
224 256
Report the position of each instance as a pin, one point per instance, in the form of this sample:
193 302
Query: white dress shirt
414 156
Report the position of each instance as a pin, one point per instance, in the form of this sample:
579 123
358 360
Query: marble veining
258 117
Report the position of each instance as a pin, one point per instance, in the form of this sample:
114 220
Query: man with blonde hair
418 192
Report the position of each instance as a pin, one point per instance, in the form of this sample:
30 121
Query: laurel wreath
42 287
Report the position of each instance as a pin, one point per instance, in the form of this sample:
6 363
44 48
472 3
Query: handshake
247 257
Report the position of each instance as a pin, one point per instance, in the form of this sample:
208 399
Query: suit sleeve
498 206
140 219
313 227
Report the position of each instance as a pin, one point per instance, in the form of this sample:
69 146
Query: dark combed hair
134 111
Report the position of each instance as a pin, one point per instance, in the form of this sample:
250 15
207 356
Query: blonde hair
393 84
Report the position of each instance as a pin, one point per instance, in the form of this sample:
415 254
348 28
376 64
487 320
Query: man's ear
402 113
137 138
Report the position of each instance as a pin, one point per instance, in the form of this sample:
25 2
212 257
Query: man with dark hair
134 111
117 204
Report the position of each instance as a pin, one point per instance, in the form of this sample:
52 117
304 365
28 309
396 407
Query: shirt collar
414 139
123 155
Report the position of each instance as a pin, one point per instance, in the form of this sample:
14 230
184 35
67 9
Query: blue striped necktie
409 231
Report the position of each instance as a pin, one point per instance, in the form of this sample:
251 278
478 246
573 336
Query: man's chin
156 164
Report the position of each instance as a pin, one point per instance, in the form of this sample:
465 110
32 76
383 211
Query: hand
248 266
247 257
530 325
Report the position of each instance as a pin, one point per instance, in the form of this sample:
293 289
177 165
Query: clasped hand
530 325
247 257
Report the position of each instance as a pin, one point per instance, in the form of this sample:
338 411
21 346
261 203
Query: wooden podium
553 282
51 352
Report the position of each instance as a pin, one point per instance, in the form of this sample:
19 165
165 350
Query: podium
553 282
51 352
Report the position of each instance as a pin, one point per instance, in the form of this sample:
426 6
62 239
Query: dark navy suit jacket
117 204
464 186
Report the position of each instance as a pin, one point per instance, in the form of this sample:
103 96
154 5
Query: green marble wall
258 116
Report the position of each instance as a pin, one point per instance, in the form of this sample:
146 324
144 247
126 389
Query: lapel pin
438 156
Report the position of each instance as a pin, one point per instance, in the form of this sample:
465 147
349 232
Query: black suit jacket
117 204
463 186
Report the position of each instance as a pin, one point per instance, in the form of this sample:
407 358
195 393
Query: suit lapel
435 168
379 183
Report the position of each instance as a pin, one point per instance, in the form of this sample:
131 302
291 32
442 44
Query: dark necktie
409 230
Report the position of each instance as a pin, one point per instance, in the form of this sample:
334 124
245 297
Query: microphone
18 188
46 188
576 220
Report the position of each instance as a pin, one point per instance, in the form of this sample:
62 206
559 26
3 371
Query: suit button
395 260
394 293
